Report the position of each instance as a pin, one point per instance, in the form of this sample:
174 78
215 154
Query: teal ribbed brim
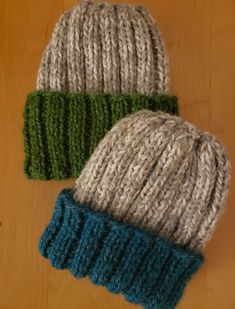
147 269
61 130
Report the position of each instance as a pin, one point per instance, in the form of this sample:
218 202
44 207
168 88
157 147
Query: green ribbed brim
61 130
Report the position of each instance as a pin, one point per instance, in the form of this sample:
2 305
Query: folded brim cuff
148 270
61 130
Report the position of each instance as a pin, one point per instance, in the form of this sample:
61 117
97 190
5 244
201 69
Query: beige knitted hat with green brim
103 62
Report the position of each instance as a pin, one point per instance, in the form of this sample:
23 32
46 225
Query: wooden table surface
200 38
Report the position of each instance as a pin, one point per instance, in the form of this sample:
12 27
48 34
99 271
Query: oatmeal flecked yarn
103 62
105 48
142 209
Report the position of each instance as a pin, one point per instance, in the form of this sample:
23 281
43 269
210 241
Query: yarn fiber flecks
143 207
98 51
160 173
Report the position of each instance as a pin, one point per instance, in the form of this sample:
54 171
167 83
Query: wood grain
200 37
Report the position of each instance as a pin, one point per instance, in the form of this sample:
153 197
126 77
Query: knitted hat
143 207
104 61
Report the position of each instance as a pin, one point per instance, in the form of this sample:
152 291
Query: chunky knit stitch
105 48
161 173
98 49
62 129
144 205
147 269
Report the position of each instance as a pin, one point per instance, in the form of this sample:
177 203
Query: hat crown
160 173
105 48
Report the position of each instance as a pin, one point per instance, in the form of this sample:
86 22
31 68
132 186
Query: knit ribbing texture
105 48
161 173
145 204
97 49
61 130
147 269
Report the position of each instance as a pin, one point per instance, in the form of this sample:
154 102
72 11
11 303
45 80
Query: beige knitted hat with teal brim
144 206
